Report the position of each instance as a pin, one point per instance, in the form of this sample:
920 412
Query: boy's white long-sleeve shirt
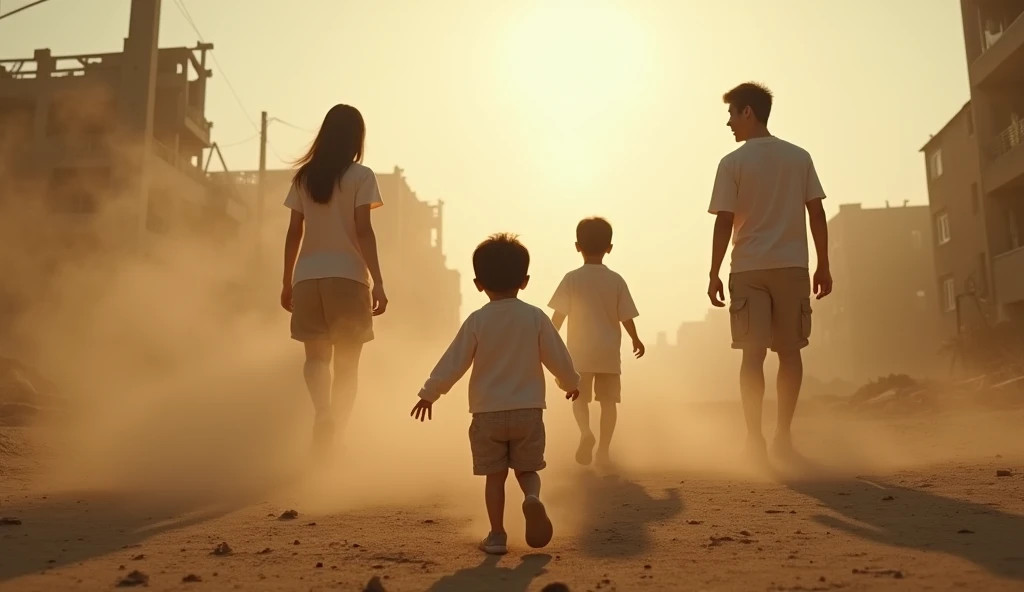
508 343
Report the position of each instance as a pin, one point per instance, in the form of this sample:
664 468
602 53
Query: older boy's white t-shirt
595 301
508 343
329 244
766 183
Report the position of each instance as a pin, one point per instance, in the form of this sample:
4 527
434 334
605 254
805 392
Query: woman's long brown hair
338 144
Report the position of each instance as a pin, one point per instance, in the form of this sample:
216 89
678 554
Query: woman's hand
380 300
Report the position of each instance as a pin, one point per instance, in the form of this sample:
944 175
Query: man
761 193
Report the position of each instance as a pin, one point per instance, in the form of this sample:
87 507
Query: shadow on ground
914 518
490 577
615 515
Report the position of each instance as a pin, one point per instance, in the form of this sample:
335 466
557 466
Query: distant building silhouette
883 316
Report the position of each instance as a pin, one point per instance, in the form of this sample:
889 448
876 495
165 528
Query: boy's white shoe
495 544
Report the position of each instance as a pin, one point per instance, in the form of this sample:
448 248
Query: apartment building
960 223
883 316
425 293
994 42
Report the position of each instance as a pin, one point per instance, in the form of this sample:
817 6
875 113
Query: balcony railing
1006 141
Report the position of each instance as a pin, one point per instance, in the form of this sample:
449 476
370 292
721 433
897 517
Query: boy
596 300
506 342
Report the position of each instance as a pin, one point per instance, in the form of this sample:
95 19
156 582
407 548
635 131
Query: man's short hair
501 263
753 95
594 236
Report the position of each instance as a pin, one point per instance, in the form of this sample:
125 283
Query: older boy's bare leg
585 452
609 416
538 526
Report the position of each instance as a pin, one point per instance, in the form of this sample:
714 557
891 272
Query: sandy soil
920 508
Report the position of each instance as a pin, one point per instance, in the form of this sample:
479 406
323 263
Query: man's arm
720 241
819 231
367 240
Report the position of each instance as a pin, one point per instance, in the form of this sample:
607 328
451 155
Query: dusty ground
909 504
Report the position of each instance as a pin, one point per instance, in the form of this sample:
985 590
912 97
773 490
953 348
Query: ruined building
424 293
119 133
883 316
975 168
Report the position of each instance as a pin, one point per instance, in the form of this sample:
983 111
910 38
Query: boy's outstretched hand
573 394
423 410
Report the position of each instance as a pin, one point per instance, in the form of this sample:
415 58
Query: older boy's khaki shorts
503 440
334 309
770 308
603 388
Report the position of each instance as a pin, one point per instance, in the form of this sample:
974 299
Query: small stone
1004 473
428 522
265 551
10 521
191 578
965 531
745 532
138 557
888 498
319 564
288 515
311 524
694 522
221 550
296 542
135 578
647 567
773 511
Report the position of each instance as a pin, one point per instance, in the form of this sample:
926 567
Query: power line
17 10
239 142
293 126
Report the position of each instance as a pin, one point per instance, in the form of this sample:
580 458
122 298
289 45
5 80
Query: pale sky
527 116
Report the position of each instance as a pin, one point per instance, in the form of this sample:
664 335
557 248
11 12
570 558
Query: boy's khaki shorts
332 309
504 440
770 308
603 388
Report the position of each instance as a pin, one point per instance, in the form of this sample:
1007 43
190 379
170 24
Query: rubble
25 394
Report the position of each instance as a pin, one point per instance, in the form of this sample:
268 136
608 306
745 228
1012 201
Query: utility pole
261 187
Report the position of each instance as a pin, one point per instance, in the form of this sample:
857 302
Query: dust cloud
184 382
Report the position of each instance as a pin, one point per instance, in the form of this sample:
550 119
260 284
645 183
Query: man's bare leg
494 497
789 381
609 416
538 525
752 392
346 382
585 452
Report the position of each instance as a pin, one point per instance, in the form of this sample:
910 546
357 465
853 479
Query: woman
327 283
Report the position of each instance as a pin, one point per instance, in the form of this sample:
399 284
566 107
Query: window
949 294
935 164
975 199
915 237
942 228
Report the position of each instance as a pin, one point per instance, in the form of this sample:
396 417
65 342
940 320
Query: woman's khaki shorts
332 309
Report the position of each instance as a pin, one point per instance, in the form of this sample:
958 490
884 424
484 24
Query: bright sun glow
575 66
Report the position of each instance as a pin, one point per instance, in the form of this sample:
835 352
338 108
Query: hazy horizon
596 108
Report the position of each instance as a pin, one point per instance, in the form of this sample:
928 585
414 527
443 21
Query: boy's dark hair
501 263
594 236
753 95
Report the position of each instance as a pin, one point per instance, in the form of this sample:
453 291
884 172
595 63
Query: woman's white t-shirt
329 244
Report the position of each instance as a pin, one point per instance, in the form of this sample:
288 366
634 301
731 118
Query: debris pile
25 394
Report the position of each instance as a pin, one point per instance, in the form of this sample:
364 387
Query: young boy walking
596 301
508 343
